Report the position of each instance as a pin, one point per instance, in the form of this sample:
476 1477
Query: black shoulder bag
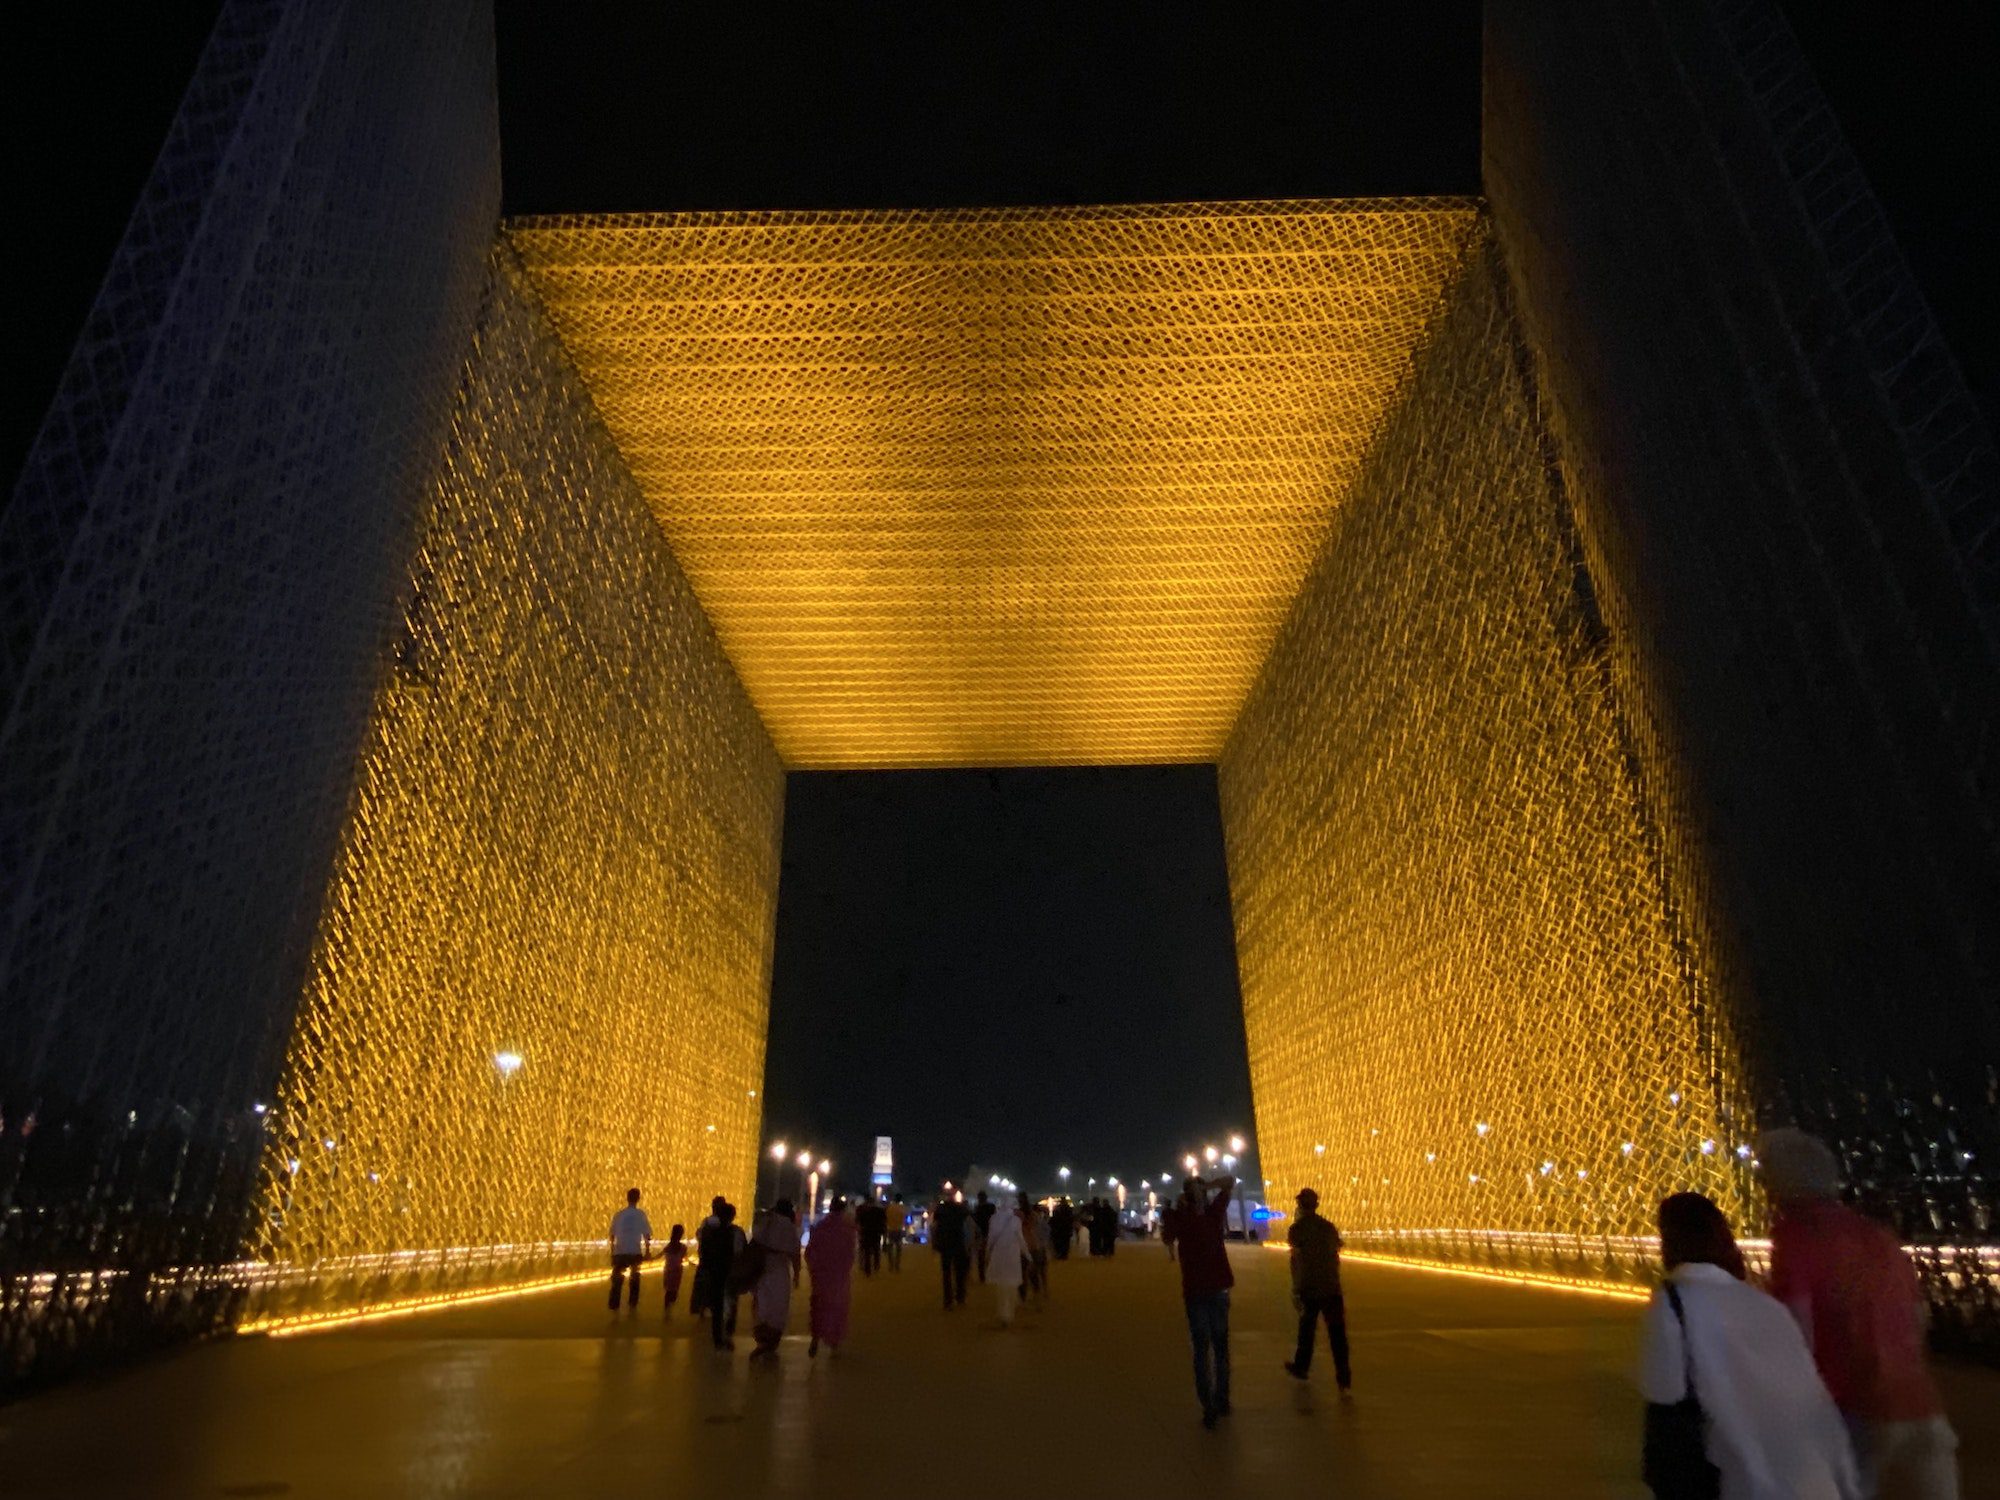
1676 1465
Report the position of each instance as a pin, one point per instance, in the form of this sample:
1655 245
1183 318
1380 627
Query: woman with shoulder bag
1735 1409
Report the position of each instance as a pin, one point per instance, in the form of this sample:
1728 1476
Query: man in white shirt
631 1243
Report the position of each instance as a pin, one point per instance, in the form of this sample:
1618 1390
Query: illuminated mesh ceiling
990 487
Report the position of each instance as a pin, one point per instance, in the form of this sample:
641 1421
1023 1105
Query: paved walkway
1463 1388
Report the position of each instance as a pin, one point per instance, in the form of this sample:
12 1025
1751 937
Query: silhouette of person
1062 1227
1205 1282
871 1221
1316 1293
631 1240
716 1244
900 1217
676 1255
982 1220
951 1223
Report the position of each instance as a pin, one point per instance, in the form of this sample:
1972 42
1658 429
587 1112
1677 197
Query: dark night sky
1017 968
932 925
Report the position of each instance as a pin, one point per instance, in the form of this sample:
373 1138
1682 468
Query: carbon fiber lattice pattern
544 963
197 569
1791 507
999 486
1469 1005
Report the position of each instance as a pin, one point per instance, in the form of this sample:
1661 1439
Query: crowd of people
1814 1387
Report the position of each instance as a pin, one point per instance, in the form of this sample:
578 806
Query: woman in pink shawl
830 1258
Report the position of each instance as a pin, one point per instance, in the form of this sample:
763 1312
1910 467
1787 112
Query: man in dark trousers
1062 1227
631 1243
870 1220
948 1221
1205 1282
1316 1289
982 1215
716 1245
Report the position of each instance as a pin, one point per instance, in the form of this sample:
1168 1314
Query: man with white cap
1857 1299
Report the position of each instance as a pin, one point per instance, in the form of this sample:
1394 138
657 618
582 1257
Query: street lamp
1189 1162
1236 1144
1210 1152
777 1154
1063 1173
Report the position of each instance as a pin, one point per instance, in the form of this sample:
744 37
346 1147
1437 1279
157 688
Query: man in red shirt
1856 1298
1205 1283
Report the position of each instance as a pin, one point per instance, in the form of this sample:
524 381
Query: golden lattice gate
1584 593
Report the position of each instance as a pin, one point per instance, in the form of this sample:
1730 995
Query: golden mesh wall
995 487
564 846
1477 1023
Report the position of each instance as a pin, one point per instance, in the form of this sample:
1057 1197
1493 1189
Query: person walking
1006 1252
1038 1239
776 1254
1735 1408
902 1223
1856 1297
1316 1294
982 1223
631 1243
676 1255
716 1245
1205 1282
950 1226
871 1221
830 1259
1170 1227
1062 1224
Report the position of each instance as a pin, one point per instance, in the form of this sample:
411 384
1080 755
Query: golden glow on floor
284 1327
997 486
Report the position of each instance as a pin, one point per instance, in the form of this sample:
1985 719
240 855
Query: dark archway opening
1019 968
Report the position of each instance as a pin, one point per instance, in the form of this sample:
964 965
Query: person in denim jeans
1205 1283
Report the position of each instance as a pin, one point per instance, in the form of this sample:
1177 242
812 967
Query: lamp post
777 1155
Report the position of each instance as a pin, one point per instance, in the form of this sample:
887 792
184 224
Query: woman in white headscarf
777 1242
1006 1245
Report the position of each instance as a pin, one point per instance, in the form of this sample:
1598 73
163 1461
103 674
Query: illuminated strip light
1616 1290
285 1327
1757 1253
